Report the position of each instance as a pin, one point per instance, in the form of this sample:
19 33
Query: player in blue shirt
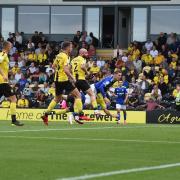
121 99
101 89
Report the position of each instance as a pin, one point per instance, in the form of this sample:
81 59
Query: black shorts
6 90
64 87
82 85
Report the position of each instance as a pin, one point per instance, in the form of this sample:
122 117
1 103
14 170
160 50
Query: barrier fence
157 116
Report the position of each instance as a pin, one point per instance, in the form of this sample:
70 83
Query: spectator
23 102
77 37
5 104
36 39
42 57
39 49
95 41
149 45
22 82
32 68
156 93
91 51
31 45
154 52
18 75
19 38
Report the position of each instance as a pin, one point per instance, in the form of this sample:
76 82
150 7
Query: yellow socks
78 106
13 108
51 106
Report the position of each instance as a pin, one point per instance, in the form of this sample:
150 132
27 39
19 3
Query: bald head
83 52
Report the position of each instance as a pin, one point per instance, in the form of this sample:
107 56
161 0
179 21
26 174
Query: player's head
67 47
117 75
7 46
83 52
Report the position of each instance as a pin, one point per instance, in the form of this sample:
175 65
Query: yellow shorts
100 101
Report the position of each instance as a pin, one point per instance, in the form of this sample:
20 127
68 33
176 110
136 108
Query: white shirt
17 77
49 69
19 39
148 45
32 70
125 59
138 65
30 45
154 53
38 50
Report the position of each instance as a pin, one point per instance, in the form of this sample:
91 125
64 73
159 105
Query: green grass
66 151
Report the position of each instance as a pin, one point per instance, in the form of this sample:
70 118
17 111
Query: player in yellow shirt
64 81
5 88
79 72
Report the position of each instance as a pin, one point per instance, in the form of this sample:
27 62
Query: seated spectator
27 91
16 56
42 78
30 45
95 70
159 58
156 93
5 104
163 87
174 63
154 52
49 68
45 88
38 50
18 75
124 57
23 102
42 57
36 38
15 69
19 38
32 68
51 90
138 65
22 82
149 45
147 58
135 53
91 51
32 57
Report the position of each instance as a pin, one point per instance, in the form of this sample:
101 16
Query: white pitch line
70 129
93 128
93 139
125 171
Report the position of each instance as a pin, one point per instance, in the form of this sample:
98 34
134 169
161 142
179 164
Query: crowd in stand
150 70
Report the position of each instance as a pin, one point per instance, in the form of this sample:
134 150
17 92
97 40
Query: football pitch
91 151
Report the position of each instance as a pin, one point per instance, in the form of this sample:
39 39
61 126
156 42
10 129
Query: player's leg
101 102
125 114
78 106
118 109
10 94
59 90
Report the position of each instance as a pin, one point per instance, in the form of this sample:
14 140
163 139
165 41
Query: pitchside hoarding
35 115
163 117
